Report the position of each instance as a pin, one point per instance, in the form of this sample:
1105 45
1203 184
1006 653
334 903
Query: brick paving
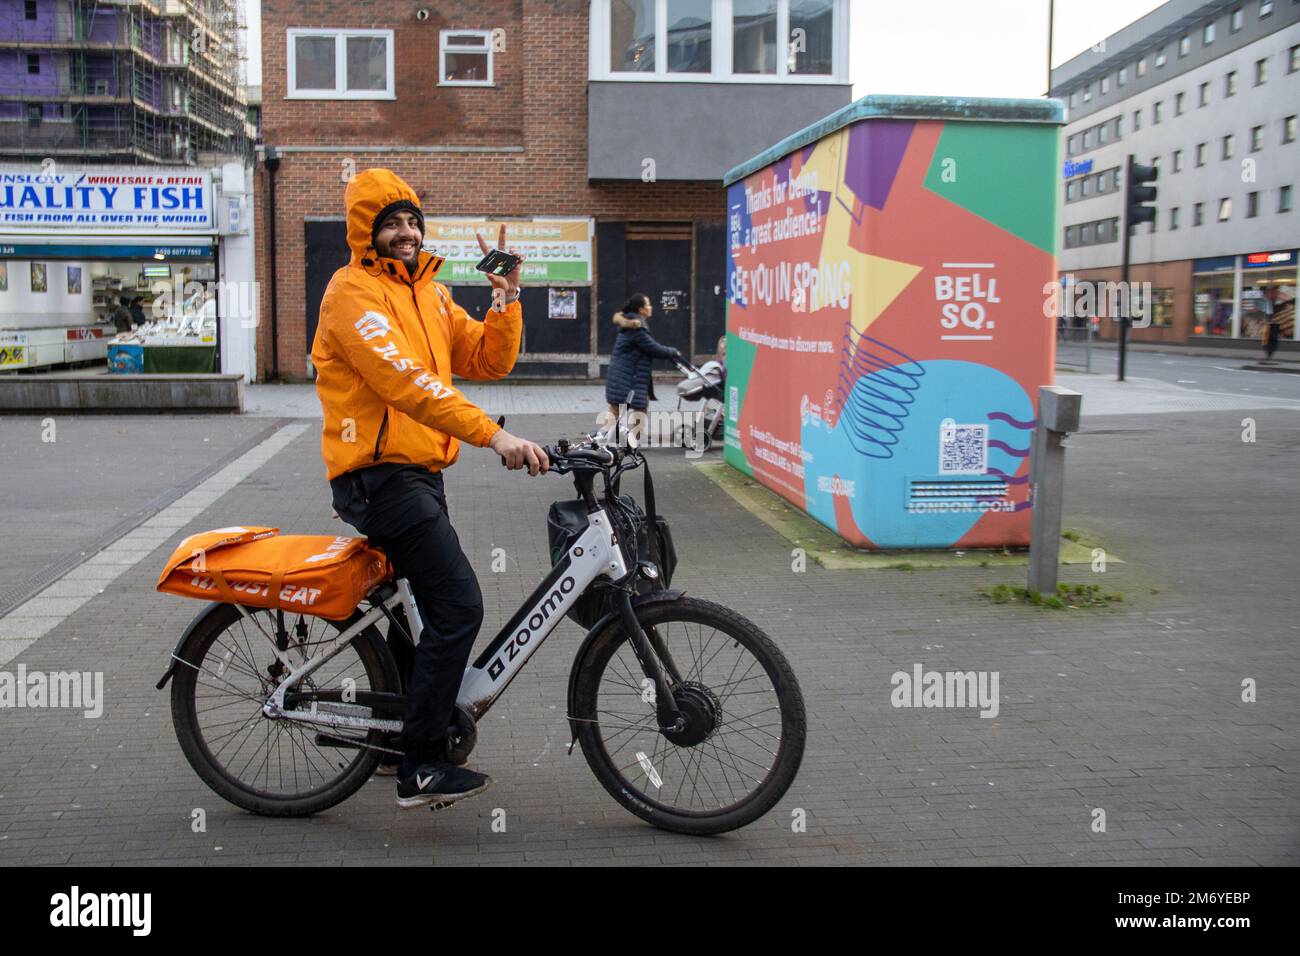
1136 709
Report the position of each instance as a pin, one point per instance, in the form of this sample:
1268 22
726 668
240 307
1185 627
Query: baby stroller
705 384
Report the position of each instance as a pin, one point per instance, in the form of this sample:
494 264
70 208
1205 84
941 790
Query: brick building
622 113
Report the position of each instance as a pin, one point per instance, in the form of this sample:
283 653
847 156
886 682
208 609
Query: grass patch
1069 534
1072 596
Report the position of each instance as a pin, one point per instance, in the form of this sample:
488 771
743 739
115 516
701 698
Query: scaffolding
131 81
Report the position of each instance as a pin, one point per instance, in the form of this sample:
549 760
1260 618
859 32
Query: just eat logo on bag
289 594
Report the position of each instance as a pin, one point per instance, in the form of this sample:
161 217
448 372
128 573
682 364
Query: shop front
122 269
1235 297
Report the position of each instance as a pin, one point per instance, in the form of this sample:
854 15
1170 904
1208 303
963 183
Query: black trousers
402 509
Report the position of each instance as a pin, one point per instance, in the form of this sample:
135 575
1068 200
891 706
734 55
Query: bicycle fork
650 650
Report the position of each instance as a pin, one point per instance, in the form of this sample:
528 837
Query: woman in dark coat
630 361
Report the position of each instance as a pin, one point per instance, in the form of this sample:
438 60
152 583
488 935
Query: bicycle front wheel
745 721
228 669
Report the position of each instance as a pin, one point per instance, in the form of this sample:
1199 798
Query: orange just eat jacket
386 347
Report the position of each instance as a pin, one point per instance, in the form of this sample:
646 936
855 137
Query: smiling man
387 344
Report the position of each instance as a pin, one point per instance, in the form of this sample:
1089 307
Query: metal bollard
1058 415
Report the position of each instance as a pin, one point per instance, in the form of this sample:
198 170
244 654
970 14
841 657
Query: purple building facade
97 81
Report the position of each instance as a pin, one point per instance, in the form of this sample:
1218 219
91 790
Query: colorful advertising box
887 333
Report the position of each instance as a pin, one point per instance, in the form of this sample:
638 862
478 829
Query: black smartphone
498 263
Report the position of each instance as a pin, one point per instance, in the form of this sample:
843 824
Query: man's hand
519 453
508 283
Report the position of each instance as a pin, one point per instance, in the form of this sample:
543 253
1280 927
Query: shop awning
64 246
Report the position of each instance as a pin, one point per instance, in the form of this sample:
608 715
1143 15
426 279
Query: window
1071 191
1200 154
1252 205
690 38
1071 237
1225 209
1230 83
33 114
340 64
1234 24
29 9
1203 94
1074 98
1137 120
1227 147
1261 72
1084 189
1087 93
1207 34
1101 182
1178 104
1293 59
1162 306
1116 178
1122 77
1284 199
1173 218
33 63
1102 134
1256 138
465 58
1119 127
1265 7
632 36
1198 214
1184 45
1085 234
1160 57
741 40
1074 144
1288 130
753 36
1178 161
1142 67
1105 85
1087 137
1157 109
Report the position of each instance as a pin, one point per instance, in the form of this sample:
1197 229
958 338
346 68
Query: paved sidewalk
1135 710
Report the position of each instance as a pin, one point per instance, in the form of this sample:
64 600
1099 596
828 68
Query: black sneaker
439 784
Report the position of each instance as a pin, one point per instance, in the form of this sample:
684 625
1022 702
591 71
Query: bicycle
287 717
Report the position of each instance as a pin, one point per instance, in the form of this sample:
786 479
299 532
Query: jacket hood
627 321
367 195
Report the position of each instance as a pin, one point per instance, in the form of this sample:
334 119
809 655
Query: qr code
963 449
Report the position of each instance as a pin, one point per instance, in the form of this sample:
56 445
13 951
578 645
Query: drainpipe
271 160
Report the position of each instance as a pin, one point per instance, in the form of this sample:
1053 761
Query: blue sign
126 198
1072 168
35 250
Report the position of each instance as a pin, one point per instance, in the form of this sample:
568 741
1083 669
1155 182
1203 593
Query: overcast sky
935 47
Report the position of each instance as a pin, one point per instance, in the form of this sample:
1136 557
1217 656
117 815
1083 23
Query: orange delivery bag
309 574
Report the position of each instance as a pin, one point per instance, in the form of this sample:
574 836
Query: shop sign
1072 168
74 198
1264 260
555 250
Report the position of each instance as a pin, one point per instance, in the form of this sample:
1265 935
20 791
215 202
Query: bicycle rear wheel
228 669
745 731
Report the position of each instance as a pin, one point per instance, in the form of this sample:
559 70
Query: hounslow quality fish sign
110 198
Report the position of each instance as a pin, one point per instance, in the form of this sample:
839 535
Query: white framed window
720 41
465 58
340 64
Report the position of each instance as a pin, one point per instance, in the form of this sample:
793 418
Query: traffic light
1139 193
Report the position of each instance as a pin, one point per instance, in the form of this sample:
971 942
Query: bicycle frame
594 554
